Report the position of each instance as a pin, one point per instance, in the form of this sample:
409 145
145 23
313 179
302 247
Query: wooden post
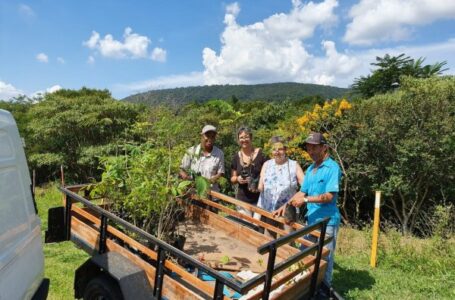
374 244
62 181
33 181
62 176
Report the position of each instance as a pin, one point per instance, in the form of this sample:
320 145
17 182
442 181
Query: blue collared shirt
326 179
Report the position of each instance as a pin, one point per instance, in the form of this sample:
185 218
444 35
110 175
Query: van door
21 249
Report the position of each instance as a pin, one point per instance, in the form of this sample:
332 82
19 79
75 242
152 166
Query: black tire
102 288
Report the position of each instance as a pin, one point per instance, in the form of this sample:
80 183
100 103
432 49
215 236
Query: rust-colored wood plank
171 288
92 234
301 287
251 219
258 210
240 232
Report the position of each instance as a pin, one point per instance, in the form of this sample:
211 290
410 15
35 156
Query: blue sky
134 46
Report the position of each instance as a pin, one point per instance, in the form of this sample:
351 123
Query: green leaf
202 186
183 184
174 191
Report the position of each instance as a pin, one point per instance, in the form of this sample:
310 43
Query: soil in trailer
220 250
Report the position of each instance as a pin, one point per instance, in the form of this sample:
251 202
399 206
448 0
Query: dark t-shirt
254 169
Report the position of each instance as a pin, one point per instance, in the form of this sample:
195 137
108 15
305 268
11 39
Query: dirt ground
216 248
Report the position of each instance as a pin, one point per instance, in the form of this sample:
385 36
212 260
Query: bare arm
214 178
298 199
261 178
322 198
234 176
299 173
185 165
183 174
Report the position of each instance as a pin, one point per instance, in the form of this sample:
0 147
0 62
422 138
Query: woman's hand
242 180
280 211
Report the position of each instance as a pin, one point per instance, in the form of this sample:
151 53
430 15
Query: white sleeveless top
280 184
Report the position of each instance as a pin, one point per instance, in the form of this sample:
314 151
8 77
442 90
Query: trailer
128 263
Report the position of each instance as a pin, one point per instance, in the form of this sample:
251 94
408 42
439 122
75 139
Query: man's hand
184 175
215 178
297 202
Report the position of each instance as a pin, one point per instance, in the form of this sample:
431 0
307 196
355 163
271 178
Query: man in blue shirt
320 192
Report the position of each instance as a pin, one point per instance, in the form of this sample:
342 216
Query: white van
21 248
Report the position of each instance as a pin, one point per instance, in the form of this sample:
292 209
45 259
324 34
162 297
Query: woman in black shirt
246 168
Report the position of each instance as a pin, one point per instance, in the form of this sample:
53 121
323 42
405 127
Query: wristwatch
305 200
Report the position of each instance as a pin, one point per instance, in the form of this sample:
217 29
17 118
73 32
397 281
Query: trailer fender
131 279
55 225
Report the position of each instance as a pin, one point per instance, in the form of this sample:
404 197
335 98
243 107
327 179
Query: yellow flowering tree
322 118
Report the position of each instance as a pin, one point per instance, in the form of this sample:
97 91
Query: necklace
250 158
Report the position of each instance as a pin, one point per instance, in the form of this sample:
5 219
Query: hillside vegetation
266 92
398 142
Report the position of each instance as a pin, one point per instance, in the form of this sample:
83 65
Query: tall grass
61 259
408 267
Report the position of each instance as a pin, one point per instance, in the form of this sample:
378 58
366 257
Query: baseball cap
208 128
315 138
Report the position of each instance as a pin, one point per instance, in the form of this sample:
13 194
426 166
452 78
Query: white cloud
39 94
132 46
8 91
232 10
26 11
334 68
90 60
432 53
53 89
376 21
162 82
61 60
92 42
42 57
271 50
330 68
159 54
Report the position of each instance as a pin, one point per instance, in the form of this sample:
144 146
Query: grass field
408 268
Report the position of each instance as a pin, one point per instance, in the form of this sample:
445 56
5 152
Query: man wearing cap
319 192
204 159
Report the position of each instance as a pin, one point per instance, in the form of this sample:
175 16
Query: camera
253 185
290 214
245 173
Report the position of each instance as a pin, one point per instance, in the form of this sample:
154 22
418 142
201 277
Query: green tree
142 185
74 128
402 143
388 71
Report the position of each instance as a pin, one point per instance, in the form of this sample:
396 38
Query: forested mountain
267 92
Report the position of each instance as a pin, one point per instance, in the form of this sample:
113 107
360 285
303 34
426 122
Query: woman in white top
280 177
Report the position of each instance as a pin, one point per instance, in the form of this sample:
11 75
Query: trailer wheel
102 288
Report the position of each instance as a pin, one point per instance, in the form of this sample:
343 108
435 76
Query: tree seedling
225 259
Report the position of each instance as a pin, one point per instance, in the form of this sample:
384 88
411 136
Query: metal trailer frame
55 233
